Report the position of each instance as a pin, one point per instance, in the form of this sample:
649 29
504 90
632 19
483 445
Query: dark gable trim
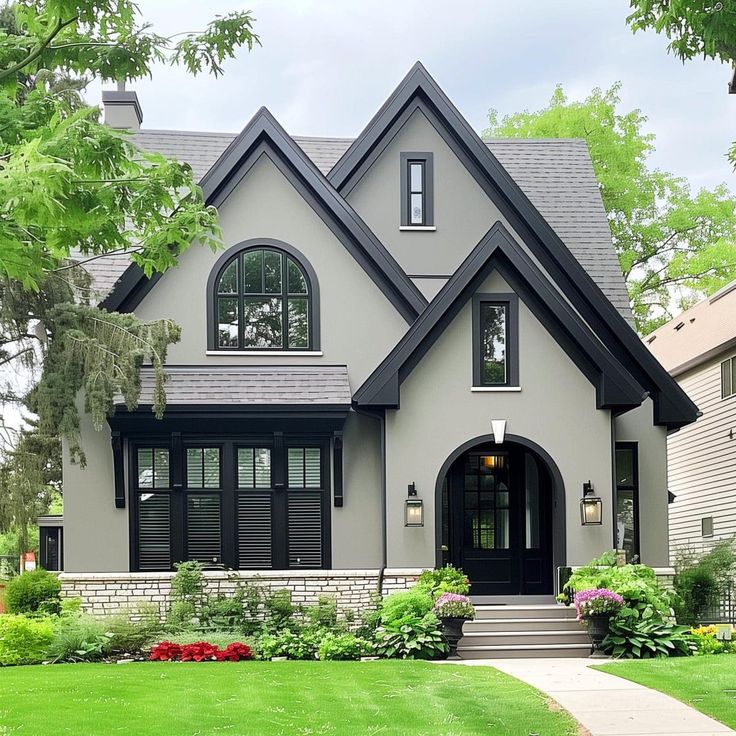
615 387
263 135
418 91
298 256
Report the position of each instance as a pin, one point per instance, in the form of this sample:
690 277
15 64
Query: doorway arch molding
559 526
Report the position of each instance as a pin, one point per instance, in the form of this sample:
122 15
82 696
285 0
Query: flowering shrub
599 602
452 605
706 642
200 651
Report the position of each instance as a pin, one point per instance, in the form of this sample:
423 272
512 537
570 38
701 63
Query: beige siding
702 463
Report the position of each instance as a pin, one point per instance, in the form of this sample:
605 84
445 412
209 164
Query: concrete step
523 651
523 624
553 610
521 638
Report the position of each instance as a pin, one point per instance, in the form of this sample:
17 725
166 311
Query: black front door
499 513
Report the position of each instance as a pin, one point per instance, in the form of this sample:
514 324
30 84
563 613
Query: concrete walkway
605 704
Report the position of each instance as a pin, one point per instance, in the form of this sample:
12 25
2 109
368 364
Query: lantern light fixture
413 508
591 507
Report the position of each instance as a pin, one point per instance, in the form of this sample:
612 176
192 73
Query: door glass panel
502 529
532 535
486 532
486 502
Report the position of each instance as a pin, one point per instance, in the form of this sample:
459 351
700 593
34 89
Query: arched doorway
502 516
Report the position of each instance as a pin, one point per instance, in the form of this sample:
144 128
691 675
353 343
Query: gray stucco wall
555 408
636 426
463 213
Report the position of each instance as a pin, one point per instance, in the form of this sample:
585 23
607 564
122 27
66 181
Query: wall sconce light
591 507
413 508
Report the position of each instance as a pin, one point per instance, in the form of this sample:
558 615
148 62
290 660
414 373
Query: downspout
380 417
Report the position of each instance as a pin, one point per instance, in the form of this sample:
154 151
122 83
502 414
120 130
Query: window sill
495 389
269 353
418 228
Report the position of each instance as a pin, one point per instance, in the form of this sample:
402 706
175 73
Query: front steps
512 631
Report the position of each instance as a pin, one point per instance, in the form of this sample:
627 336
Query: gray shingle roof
251 385
556 174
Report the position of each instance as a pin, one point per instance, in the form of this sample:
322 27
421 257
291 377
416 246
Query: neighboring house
698 348
414 349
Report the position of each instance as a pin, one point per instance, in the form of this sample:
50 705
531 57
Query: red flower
200 651
165 651
236 651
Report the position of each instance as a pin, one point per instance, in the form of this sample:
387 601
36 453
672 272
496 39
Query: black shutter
154 531
254 531
304 511
204 528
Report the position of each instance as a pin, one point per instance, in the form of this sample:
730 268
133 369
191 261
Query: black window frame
426 160
511 304
632 487
730 370
236 253
229 493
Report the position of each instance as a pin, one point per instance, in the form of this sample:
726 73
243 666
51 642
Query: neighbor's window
706 526
417 190
495 341
263 302
728 378
627 499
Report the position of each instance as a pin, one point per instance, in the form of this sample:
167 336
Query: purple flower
597 601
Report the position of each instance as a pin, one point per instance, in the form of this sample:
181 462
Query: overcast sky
327 65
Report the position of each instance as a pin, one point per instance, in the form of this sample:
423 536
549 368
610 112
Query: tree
72 189
673 245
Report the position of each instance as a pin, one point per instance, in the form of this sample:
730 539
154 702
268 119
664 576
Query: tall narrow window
417 190
263 300
728 378
495 359
153 508
627 499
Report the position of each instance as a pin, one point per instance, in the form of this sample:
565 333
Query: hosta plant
636 638
418 639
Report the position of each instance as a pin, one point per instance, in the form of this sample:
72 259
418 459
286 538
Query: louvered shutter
154 531
304 511
255 549
204 537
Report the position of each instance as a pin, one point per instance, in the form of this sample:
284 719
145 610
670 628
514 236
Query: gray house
698 348
415 349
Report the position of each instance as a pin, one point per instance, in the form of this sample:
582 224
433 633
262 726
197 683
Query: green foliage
635 638
404 607
33 592
443 580
344 646
280 610
696 28
671 242
218 638
127 636
323 614
24 640
636 583
81 638
701 580
286 643
417 638
187 594
706 641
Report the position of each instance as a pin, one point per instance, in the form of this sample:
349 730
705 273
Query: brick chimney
122 109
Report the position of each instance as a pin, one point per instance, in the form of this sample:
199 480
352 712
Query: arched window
263 300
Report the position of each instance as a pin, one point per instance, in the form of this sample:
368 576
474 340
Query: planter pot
452 628
597 626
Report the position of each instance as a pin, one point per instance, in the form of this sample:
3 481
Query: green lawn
707 683
390 698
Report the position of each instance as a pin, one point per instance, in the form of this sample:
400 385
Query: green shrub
342 646
706 641
279 608
405 606
286 643
33 592
24 640
700 581
416 639
223 612
132 637
323 614
443 580
81 638
636 638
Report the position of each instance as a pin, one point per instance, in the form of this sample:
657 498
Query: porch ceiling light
492 461
591 507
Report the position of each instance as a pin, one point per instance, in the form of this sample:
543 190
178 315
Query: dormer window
263 300
417 191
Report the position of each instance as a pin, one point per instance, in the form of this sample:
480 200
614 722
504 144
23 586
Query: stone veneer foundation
125 592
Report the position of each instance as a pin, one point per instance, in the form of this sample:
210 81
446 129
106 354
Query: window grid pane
304 467
493 343
254 467
153 467
229 279
726 379
203 467
263 323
